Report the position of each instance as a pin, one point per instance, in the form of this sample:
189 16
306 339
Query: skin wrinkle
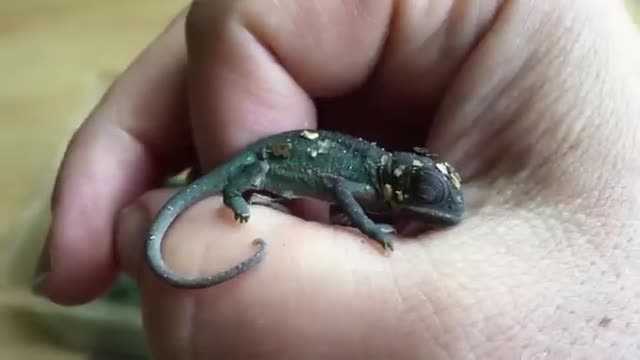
497 132
428 307
454 115
567 133
152 143
580 272
394 51
190 309
440 342
463 11
541 226
252 128
174 80
541 162
427 322
59 205
538 167
196 306
442 312
352 72
401 300
597 86
489 345
251 31
184 340
493 159
130 216
435 279
549 156
360 337
259 125
601 206
475 345
152 176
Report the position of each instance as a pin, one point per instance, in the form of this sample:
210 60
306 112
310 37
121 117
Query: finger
121 150
427 42
536 109
255 73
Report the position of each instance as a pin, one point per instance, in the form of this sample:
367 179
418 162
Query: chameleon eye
429 188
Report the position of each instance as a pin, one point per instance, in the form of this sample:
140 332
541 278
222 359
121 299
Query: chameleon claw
388 246
242 218
381 235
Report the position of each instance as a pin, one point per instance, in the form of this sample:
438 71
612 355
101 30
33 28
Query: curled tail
204 187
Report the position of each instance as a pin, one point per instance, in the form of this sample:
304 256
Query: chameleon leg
249 177
271 202
356 215
337 216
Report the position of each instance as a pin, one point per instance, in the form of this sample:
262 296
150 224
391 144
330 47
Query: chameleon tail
208 185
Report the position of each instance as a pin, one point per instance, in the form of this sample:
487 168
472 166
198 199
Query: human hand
533 102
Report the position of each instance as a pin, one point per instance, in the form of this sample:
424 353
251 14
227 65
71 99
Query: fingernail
43 268
131 230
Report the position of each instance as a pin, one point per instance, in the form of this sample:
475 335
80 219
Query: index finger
136 133
255 66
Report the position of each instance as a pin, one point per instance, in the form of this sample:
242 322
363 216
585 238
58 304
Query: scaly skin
353 174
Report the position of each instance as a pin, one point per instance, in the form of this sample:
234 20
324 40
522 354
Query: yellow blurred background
57 58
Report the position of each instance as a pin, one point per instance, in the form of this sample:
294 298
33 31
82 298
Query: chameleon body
353 174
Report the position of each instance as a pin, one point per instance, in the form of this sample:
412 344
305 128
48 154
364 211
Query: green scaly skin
355 175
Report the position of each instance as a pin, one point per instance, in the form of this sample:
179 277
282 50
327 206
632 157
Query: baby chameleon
355 175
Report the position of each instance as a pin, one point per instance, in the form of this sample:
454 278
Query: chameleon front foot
381 234
240 208
247 178
241 217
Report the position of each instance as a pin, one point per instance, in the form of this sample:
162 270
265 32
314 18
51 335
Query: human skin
534 102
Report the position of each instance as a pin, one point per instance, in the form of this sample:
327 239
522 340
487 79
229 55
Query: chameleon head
419 187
